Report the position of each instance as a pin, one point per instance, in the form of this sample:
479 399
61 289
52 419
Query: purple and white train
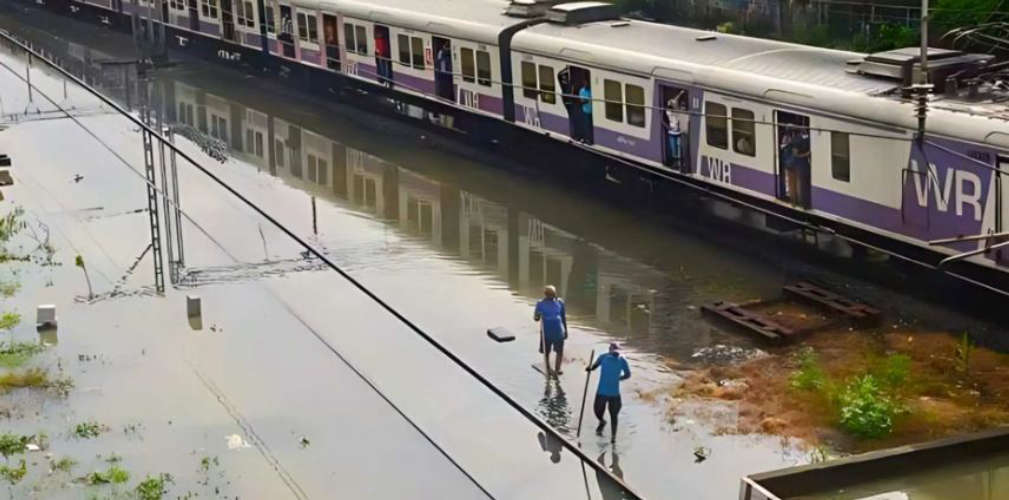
826 137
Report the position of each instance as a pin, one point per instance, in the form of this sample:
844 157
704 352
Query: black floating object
5 161
500 334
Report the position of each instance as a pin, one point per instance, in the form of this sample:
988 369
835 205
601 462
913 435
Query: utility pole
923 87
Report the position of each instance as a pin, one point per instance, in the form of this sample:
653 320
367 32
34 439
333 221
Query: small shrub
9 320
810 375
89 429
13 475
153 488
12 444
865 410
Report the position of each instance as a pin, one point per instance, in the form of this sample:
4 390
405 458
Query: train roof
475 20
652 44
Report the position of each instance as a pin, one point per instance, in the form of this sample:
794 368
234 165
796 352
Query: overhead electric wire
332 265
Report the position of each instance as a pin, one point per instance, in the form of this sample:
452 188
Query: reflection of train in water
517 247
825 137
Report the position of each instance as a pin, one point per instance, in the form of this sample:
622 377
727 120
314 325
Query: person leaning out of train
673 131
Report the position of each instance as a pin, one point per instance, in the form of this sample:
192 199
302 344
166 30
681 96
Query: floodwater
454 240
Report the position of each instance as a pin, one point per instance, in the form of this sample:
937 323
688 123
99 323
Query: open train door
576 93
794 172
676 128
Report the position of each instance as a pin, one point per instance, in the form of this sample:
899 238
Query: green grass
893 371
114 475
65 464
15 354
810 375
31 378
153 488
12 444
9 320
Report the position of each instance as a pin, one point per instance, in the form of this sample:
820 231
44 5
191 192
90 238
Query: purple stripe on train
253 39
414 83
311 56
210 28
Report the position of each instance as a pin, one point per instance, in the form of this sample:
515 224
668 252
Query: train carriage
823 137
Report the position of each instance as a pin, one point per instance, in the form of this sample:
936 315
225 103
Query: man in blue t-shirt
553 327
614 370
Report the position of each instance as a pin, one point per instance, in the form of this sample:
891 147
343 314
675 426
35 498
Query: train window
742 132
313 28
635 105
271 23
348 37
323 172
529 80
313 167
716 123
177 5
547 85
404 49
840 157
483 72
302 27
362 39
209 8
417 46
279 152
613 93
250 16
468 68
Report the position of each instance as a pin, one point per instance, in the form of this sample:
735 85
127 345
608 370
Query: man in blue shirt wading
614 370
553 329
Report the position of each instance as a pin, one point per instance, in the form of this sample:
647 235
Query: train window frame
484 72
302 20
349 39
530 82
179 5
313 28
613 97
840 165
208 8
548 85
743 126
361 35
716 123
417 49
278 152
403 42
271 20
634 110
468 55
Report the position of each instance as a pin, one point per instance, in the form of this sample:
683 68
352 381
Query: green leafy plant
89 429
13 475
79 262
12 444
809 375
9 320
31 378
865 409
153 488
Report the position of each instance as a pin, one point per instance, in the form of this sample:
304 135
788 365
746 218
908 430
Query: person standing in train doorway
383 54
443 67
585 96
553 328
673 132
615 370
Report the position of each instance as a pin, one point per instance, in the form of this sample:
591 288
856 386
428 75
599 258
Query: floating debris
236 442
725 354
701 454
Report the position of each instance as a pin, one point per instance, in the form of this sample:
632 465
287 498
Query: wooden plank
749 320
831 301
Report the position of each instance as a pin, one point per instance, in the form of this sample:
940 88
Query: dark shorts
555 345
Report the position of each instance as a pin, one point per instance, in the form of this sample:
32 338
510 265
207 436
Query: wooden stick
585 392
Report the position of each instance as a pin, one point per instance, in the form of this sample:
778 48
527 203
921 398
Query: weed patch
65 464
89 429
15 354
31 378
114 475
809 375
865 409
13 475
13 444
153 488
